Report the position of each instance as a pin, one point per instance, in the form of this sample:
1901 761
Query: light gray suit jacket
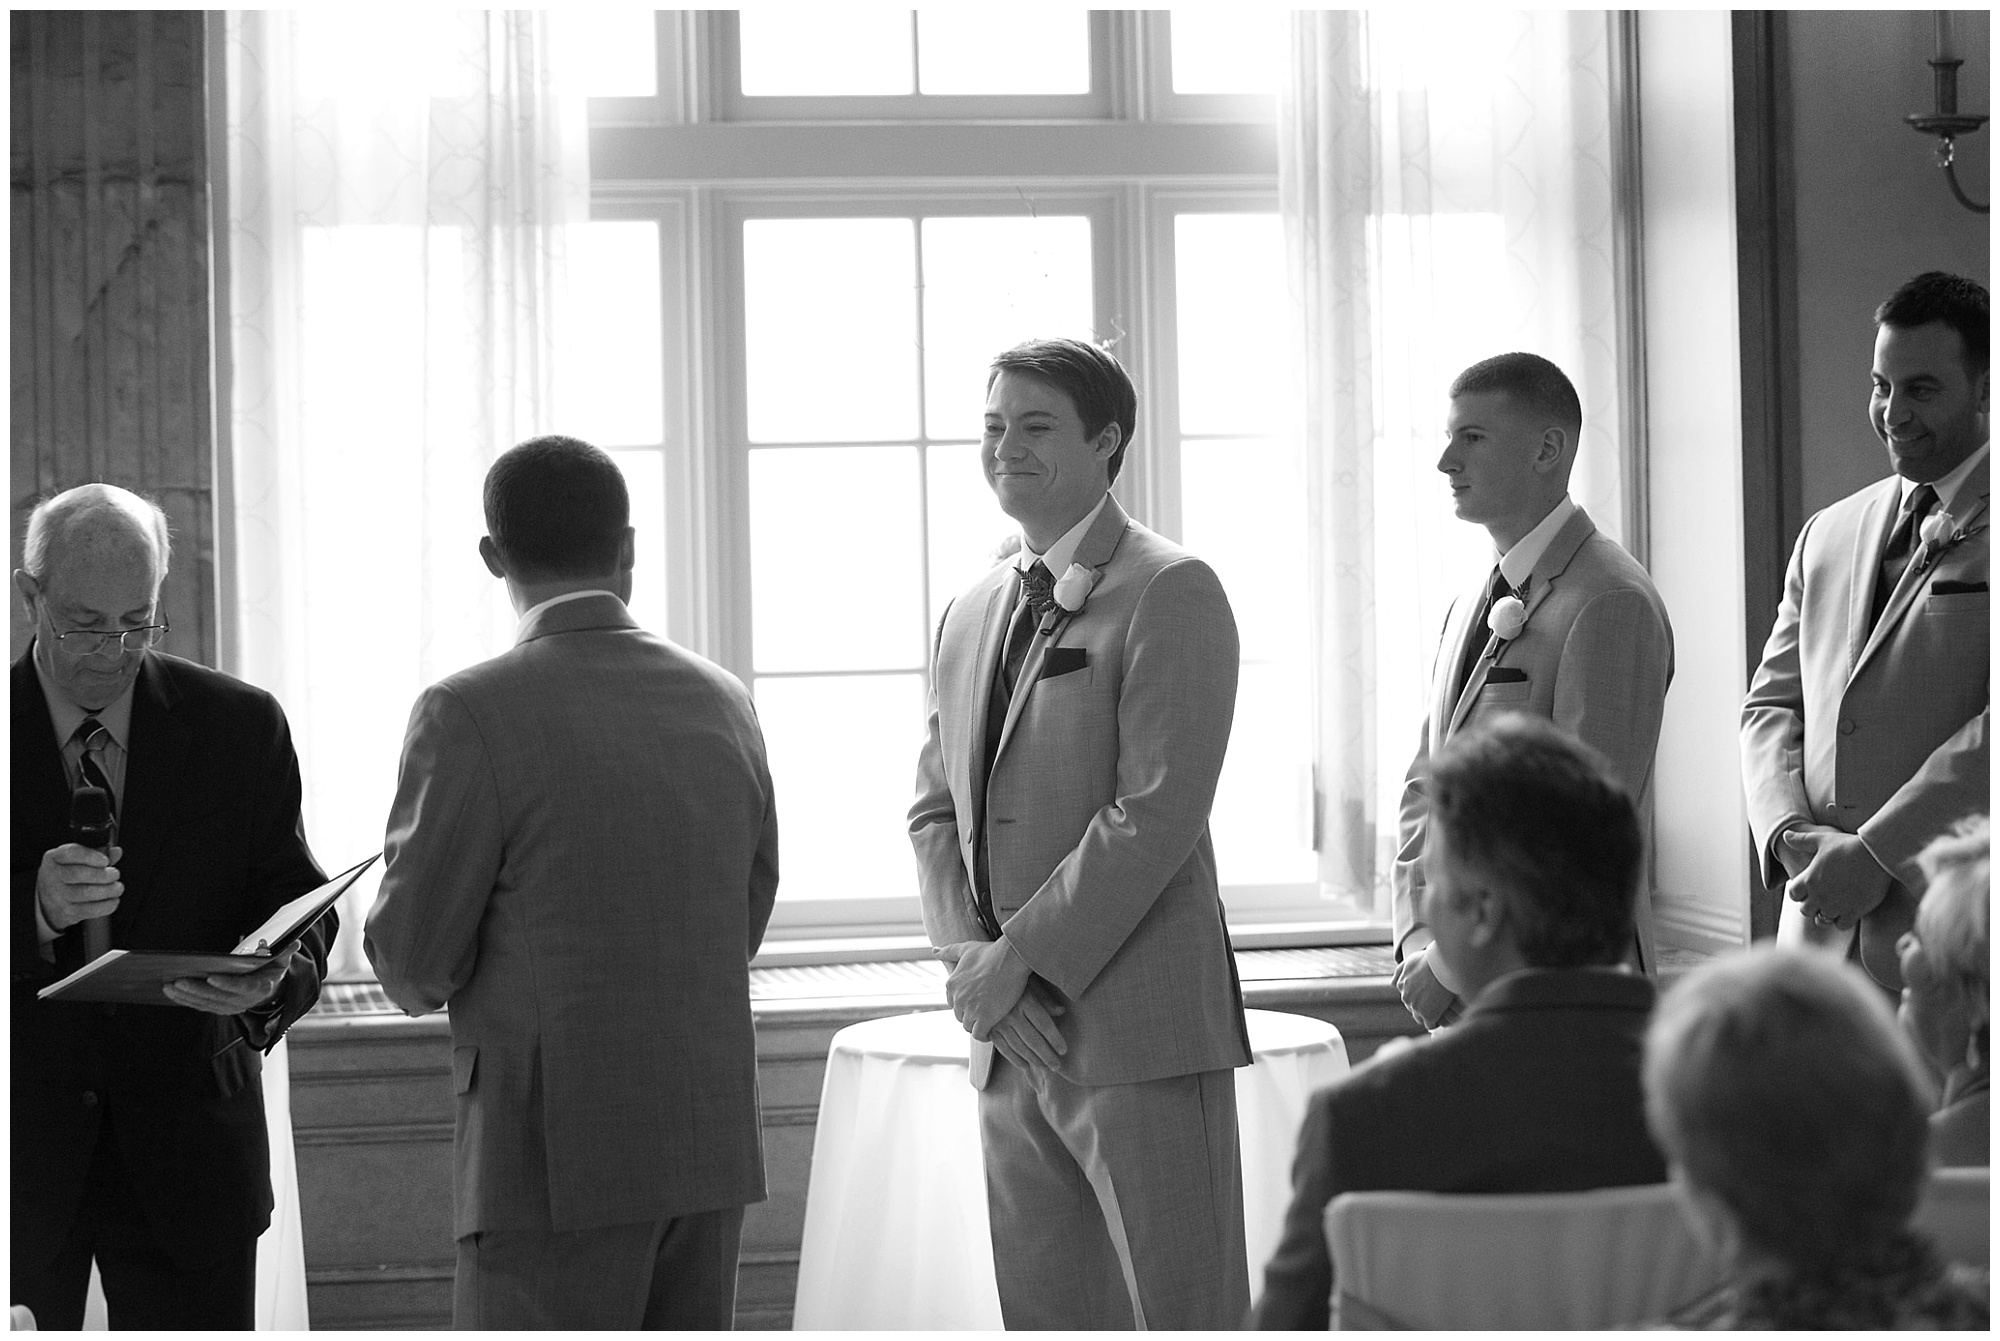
1880 732
1096 813
1595 657
580 861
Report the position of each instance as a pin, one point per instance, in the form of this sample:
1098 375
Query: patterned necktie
1476 633
1902 544
94 737
1037 599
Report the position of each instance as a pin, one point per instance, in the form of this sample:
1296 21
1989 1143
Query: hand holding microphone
77 882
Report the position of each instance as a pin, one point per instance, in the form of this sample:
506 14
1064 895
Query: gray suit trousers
1090 1229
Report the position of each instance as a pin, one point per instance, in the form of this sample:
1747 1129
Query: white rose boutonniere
1507 618
1073 588
1940 535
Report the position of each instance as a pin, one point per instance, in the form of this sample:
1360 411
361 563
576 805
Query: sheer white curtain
398 203
1447 192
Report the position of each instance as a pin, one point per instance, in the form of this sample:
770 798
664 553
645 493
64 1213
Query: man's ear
1553 449
28 587
1107 442
490 553
1488 914
628 554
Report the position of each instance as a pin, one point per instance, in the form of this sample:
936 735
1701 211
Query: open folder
137 977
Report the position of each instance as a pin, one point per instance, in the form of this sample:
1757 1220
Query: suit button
90 1098
1847 726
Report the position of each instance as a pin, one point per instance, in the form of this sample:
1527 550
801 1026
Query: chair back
1955 1214
1596 1259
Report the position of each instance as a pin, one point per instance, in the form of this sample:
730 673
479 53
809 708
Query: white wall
1695 471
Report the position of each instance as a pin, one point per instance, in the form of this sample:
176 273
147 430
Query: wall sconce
1947 122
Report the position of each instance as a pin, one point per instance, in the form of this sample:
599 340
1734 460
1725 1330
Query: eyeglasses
90 643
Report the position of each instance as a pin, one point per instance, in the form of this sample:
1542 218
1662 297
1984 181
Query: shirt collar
540 606
1518 562
1063 552
1948 487
115 717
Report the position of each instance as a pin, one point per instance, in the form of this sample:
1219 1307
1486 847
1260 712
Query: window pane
843 765
1234 514
833 558
645 482
830 329
1228 49
831 50
1231 302
989 284
1014 50
966 523
605 53
1242 510
608 378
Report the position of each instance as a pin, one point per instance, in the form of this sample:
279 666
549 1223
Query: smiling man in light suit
1081 699
1566 625
581 859
1864 730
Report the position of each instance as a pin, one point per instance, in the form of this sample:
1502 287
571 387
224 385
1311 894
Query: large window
843 221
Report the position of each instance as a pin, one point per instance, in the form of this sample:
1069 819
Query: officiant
138 1130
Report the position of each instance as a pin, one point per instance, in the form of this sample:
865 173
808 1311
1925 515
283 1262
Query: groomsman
1864 731
1566 625
1081 701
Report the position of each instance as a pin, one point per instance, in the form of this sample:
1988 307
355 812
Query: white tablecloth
896 1234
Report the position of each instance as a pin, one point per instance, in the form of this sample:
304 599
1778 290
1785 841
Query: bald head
93 562
94 518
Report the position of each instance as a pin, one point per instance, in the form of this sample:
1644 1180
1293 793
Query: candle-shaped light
1944 35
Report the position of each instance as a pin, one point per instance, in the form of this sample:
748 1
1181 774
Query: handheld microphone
91 824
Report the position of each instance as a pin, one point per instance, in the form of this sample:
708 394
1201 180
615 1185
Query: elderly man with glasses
138 1130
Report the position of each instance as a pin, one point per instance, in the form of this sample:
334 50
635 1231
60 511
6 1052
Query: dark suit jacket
1535 1090
212 845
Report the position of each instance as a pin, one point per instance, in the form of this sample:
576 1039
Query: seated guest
1946 978
1532 864
1794 1114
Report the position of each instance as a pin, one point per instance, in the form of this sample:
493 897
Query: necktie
1902 544
93 736
1477 635
1037 594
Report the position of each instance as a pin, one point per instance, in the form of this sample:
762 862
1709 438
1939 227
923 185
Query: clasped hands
1835 879
990 990
75 883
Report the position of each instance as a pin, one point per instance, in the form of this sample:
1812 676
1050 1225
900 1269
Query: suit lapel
153 768
1871 537
1098 546
1912 581
984 668
41 788
1548 570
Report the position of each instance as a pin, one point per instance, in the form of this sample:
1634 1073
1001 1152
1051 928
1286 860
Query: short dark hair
1538 813
1532 381
1095 382
556 508
1936 295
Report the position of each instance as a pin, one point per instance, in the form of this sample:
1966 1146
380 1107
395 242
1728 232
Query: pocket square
1956 588
1062 660
1506 675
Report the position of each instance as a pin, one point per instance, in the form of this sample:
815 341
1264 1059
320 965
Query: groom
1081 697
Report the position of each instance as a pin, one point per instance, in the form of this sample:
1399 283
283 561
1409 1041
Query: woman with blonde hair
1947 980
